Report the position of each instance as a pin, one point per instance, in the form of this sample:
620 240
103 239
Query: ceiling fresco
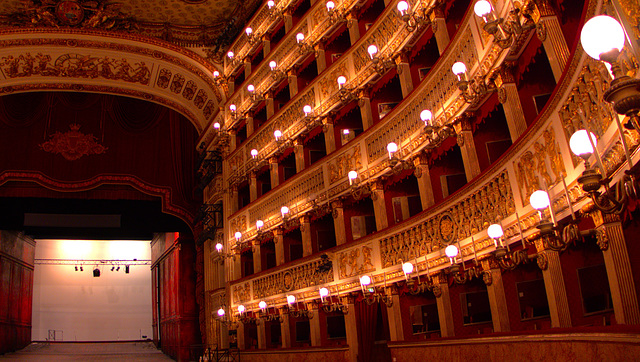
210 23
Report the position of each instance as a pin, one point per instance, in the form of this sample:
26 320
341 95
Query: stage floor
120 351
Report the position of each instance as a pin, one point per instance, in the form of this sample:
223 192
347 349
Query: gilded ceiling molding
97 61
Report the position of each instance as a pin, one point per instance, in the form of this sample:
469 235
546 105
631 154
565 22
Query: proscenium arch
42 59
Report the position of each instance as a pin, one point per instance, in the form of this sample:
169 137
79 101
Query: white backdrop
79 307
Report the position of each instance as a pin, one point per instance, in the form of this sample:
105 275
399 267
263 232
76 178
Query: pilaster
379 206
298 150
338 222
443 303
497 300
554 286
274 172
364 102
552 39
285 329
404 74
395 318
314 326
278 240
440 31
329 136
257 257
423 176
253 187
262 333
508 96
305 230
352 330
467 149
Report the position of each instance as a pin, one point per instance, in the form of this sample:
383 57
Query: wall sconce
370 293
218 79
254 153
233 111
255 97
451 252
495 232
224 319
328 303
220 254
610 201
394 161
472 90
251 36
539 200
277 74
344 92
425 116
381 65
411 19
303 46
501 29
307 110
407 269
277 134
358 189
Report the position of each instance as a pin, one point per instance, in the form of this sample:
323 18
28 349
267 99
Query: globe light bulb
352 175
284 211
241 309
277 134
273 65
495 231
220 312
291 299
324 292
451 251
254 153
539 200
345 132
219 247
402 7
271 4
216 74
482 8
299 37
601 34
426 116
232 107
249 31
407 268
372 50
216 125
259 224
458 69
238 235
230 54
365 280
341 81
306 109
251 88
580 145
392 148
262 305
330 6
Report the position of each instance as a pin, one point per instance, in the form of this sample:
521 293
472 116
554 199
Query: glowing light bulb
271 4
241 309
365 280
601 34
580 145
251 88
249 31
341 81
291 299
230 55
402 7
273 65
259 224
306 109
220 312
232 107
324 292
426 116
459 69
407 268
451 251
482 8
216 74
254 153
277 134
238 235
495 231
330 6
352 176
262 305
219 247
539 200
372 50
299 37
284 211
392 148
216 125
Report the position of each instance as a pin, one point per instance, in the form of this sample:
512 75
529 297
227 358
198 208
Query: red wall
16 289
174 280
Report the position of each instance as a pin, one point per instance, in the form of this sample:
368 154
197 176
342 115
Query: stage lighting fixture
76 268
126 269
81 269
96 272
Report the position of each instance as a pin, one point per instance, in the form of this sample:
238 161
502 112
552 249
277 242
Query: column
508 96
549 263
253 187
379 206
314 326
250 124
550 33
338 222
269 104
232 139
354 29
288 21
404 74
439 27
234 199
298 150
247 67
262 333
493 279
240 335
395 317
278 240
266 45
424 181
329 136
305 230
321 58
443 302
257 257
285 329
231 86
616 259
274 172
237 267
364 102
292 78
352 329
468 149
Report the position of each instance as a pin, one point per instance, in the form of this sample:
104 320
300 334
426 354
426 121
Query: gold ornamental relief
241 293
355 261
540 167
348 161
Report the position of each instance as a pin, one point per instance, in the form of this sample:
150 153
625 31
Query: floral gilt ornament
73 144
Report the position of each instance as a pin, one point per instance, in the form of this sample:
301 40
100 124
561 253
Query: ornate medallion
73 144
287 280
447 228
69 12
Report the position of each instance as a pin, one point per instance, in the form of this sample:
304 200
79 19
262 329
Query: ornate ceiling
185 22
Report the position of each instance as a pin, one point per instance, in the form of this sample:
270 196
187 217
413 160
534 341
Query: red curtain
366 320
